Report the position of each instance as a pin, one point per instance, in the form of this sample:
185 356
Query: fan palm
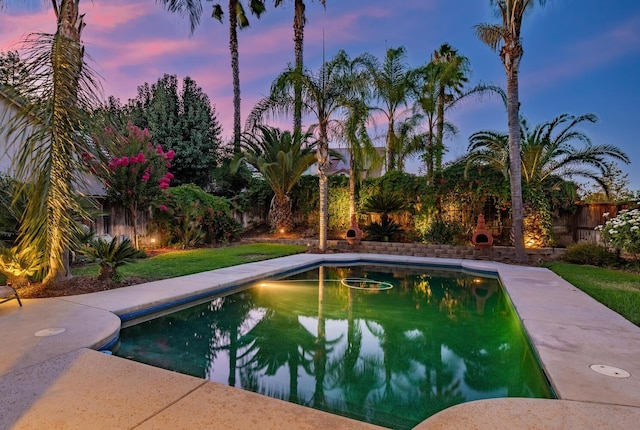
324 95
48 137
505 39
281 158
238 18
547 152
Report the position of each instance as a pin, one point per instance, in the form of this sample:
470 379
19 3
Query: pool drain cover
610 371
50 332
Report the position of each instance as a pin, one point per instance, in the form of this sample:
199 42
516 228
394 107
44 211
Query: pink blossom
168 165
141 158
164 185
164 179
159 149
169 175
124 161
170 155
163 208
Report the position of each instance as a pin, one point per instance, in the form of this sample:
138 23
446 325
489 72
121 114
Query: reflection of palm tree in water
320 349
235 308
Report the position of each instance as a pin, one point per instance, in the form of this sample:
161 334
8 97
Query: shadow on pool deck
58 381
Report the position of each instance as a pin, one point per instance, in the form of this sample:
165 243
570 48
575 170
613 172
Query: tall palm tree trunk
66 58
352 184
439 144
391 156
298 39
512 63
322 153
235 69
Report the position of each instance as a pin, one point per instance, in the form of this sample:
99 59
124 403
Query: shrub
188 215
386 231
110 256
18 265
443 232
623 231
590 253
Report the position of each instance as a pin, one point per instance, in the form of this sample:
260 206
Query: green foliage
443 232
339 208
188 215
111 255
11 208
623 231
384 203
138 170
14 72
184 122
385 231
590 253
18 265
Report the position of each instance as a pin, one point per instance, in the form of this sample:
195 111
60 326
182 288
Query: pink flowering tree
137 172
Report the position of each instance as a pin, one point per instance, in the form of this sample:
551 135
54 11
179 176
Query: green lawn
180 263
615 289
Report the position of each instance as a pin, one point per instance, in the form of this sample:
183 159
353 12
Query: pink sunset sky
581 56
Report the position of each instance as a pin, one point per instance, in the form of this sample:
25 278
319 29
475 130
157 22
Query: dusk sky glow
580 56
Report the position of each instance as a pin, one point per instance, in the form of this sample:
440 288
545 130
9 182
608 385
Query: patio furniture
8 293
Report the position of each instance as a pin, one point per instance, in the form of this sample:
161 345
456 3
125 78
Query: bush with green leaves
443 232
19 265
110 255
387 230
188 215
590 253
623 231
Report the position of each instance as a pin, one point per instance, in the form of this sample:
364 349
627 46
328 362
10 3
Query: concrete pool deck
56 380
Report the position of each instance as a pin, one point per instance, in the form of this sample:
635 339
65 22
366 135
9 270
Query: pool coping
569 330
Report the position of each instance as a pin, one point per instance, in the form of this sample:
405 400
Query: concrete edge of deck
570 332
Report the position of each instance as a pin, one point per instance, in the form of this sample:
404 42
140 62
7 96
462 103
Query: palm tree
452 71
238 18
505 38
299 21
391 83
281 158
324 95
546 152
48 155
362 154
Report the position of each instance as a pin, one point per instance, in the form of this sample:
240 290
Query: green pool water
403 345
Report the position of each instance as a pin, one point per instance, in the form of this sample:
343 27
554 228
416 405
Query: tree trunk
133 212
322 154
512 63
66 58
439 144
352 185
235 68
298 39
280 217
391 156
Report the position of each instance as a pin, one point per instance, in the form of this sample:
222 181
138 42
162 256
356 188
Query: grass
616 289
187 262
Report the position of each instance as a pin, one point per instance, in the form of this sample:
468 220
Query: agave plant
110 256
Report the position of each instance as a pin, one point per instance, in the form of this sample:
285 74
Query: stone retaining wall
504 254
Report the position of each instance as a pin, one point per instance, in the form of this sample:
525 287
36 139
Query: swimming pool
388 356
